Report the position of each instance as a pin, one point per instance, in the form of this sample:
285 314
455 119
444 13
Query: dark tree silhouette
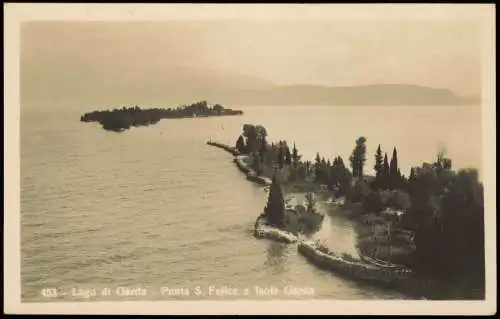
218 108
121 119
275 208
394 177
295 156
281 156
379 169
263 145
317 169
340 177
379 162
402 180
250 132
447 214
263 150
411 178
288 155
240 144
317 159
442 163
358 158
385 173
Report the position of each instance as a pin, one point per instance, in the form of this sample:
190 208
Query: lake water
156 207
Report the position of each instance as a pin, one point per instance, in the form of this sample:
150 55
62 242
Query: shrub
399 199
358 192
373 203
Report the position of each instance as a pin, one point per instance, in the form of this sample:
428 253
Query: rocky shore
239 160
363 269
225 147
382 274
354 267
394 215
262 230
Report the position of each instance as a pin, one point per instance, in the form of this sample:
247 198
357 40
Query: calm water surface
156 207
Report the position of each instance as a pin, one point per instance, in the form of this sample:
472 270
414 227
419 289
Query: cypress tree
280 156
317 167
324 171
275 208
379 167
295 156
379 162
385 174
358 157
288 155
393 170
335 161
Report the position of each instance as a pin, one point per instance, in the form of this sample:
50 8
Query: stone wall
354 269
262 230
227 148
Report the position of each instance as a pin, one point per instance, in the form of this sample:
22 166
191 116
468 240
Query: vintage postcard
250 159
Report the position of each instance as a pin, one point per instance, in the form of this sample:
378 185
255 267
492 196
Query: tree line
124 118
444 208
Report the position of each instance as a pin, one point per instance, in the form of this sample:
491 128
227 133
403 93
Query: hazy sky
437 54
350 53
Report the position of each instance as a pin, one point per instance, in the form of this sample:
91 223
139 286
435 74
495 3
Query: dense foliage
124 118
435 217
358 158
447 216
443 208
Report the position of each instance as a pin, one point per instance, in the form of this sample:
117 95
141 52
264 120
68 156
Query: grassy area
381 239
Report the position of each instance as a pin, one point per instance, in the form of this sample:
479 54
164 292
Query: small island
122 119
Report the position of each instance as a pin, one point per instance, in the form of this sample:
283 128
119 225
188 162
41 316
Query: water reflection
276 257
337 231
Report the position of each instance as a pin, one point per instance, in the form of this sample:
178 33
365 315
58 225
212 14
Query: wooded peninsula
431 221
122 119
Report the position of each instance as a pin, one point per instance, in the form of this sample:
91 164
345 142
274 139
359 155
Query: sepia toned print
253 160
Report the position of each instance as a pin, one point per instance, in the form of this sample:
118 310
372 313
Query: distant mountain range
98 64
168 85
378 94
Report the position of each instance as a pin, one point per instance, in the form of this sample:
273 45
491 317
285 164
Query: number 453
49 292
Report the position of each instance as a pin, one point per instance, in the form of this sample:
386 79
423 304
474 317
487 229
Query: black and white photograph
284 153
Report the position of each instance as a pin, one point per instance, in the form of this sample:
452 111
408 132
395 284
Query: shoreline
391 276
387 275
250 174
262 230
225 147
